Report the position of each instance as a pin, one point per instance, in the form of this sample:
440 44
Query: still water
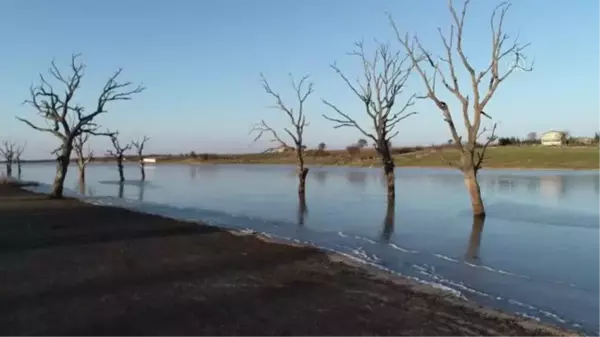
537 254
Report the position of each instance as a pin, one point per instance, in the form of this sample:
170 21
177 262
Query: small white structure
553 138
149 160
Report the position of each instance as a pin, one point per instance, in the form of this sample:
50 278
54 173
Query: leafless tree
19 149
298 123
139 149
118 154
7 151
473 104
65 118
532 136
83 156
384 78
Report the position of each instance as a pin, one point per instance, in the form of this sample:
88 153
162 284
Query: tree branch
383 81
262 128
481 154
139 145
297 118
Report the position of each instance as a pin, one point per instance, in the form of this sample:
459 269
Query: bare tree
139 148
19 149
118 154
65 118
471 155
298 122
8 153
83 156
384 79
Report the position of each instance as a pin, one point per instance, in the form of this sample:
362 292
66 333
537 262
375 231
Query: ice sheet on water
542 215
354 247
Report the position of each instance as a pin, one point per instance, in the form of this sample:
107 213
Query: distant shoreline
505 157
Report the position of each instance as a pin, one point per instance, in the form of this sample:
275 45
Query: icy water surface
536 254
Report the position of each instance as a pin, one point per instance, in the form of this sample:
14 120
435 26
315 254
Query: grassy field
496 157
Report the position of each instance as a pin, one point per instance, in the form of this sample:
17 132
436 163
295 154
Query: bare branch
261 128
8 150
119 149
454 43
79 143
347 121
63 117
481 154
139 145
383 81
303 90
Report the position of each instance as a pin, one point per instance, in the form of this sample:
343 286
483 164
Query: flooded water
537 254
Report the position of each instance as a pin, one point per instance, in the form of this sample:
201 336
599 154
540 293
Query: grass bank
497 157
70 268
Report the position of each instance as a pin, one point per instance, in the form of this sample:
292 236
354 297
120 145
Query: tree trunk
62 164
470 176
302 209
81 173
475 238
121 189
120 167
302 171
81 186
8 168
19 171
390 176
142 170
388 222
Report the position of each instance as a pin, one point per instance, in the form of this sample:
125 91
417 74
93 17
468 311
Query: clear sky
201 61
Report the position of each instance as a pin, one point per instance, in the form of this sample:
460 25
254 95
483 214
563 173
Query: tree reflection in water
472 253
302 209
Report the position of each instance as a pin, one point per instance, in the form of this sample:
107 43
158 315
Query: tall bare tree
139 149
84 156
65 118
384 78
298 123
472 104
19 149
7 150
118 154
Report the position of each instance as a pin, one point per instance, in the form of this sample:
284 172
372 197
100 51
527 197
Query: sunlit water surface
535 255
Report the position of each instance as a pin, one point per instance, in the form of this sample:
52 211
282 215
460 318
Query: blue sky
201 61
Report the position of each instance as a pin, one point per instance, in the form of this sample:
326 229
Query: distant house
280 149
149 160
553 138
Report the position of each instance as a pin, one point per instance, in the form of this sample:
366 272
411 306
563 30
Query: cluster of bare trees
381 91
70 121
12 152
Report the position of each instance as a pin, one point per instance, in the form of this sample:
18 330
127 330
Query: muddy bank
69 268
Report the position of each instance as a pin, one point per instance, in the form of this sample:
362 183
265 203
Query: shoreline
485 320
485 168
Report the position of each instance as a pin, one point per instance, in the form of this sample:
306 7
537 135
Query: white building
553 138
